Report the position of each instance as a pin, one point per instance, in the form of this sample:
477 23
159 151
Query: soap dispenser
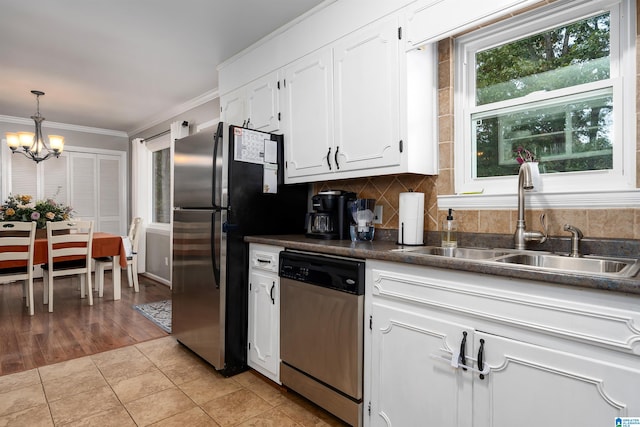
449 231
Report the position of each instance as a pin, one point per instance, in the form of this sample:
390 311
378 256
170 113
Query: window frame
622 178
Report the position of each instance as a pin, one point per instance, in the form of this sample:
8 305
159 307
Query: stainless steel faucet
576 235
522 236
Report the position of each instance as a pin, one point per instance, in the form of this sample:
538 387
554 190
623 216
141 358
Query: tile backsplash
595 223
386 191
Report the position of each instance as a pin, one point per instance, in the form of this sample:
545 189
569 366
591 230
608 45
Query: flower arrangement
524 155
19 207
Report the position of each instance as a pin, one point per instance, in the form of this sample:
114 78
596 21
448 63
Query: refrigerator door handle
215 249
227 227
216 187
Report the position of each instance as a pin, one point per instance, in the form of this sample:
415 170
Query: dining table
104 245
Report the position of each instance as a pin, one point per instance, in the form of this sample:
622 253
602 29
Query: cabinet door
262 103
530 385
410 383
308 118
367 97
264 324
232 107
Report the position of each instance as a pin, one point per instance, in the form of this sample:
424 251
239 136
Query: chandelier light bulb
26 139
56 142
13 140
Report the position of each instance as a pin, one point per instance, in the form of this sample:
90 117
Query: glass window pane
563 57
161 203
564 136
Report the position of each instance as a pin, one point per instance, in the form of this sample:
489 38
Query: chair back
69 239
16 250
134 233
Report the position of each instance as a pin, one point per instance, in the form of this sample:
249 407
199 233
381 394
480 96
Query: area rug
158 312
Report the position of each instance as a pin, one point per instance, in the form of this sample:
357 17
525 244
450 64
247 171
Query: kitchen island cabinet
263 348
534 354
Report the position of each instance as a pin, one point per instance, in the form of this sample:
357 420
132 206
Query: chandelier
33 144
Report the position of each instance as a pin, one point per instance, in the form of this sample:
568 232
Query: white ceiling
117 64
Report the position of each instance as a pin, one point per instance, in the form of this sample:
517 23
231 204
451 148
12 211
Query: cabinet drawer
265 257
598 318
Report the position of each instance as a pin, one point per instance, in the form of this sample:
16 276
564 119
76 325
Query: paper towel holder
417 229
401 238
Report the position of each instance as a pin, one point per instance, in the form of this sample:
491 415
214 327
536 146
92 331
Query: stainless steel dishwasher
321 330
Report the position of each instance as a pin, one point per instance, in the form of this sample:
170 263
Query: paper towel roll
411 219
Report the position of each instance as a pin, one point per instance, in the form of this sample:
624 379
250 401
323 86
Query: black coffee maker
330 219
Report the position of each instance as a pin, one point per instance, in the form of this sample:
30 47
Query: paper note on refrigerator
270 151
270 180
249 146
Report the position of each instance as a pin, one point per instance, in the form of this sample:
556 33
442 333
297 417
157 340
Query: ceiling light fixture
34 145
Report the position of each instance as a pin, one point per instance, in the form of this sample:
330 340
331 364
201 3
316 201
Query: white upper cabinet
308 115
345 109
346 100
232 107
255 105
263 105
367 98
432 20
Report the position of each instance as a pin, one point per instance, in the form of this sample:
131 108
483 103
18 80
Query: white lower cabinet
263 350
533 385
550 355
408 386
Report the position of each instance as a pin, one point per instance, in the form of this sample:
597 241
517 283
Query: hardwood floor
74 329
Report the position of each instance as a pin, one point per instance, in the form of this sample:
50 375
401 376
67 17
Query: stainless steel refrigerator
227 185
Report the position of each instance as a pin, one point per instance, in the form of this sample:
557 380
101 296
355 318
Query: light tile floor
157 383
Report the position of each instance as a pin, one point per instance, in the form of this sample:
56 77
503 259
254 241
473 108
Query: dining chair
68 253
130 243
16 244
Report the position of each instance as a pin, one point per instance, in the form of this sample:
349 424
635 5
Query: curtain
140 189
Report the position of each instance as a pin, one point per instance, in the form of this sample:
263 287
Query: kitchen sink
587 264
544 261
466 253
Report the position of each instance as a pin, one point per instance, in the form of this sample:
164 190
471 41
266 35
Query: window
551 81
161 202
159 149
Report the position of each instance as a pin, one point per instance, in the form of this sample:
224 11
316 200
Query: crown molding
177 110
64 126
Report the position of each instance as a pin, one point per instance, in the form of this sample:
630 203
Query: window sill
573 200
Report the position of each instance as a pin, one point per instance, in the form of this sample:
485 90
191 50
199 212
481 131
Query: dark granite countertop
381 250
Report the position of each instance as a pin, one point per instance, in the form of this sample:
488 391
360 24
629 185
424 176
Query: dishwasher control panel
342 274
